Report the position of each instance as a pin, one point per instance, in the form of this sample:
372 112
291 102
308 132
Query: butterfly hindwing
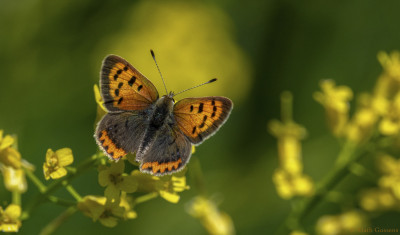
169 152
120 133
123 87
199 118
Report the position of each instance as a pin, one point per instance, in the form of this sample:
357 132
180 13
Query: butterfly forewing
199 118
123 87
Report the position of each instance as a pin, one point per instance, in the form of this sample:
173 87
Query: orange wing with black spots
123 87
199 118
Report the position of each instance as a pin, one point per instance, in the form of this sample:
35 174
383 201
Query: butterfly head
166 101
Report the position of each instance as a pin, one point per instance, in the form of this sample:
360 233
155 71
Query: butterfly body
160 131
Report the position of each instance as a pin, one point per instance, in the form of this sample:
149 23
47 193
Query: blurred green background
50 57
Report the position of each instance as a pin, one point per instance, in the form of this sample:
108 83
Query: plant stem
61 202
73 192
43 195
35 180
16 198
146 197
55 224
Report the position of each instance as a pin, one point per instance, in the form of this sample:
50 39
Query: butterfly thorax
161 116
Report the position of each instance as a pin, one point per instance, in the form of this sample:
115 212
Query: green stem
56 223
35 180
146 197
73 192
42 196
16 198
61 202
336 175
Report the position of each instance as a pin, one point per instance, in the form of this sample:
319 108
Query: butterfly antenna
154 58
212 80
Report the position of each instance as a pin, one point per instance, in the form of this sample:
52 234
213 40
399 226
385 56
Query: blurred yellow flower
5 141
9 156
14 179
127 204
197 45
298 233
390 168
390 124
363 121
346 223
335 100
9 218
390 64
99 208
289 146
215 221
115 181
55 164
167 186
379 199
290 185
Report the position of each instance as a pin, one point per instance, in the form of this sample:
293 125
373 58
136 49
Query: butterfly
159 131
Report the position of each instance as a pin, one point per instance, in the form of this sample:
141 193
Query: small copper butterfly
160 131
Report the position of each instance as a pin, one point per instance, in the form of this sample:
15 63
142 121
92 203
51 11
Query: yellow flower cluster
215 221
387 195
381 108
167 187
289 178
12 168
108 213
11 165
349 222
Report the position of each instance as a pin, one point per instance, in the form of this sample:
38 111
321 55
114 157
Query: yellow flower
5 141
115 181
9 218
127 203
14 179
55 163
289 146
390 124
290 185
364 119
379 199
390 64
167 187
390 167
215 221
99 208
335 100
9 156
346 223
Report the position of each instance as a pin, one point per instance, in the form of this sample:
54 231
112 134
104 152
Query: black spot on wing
201 108
132 81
